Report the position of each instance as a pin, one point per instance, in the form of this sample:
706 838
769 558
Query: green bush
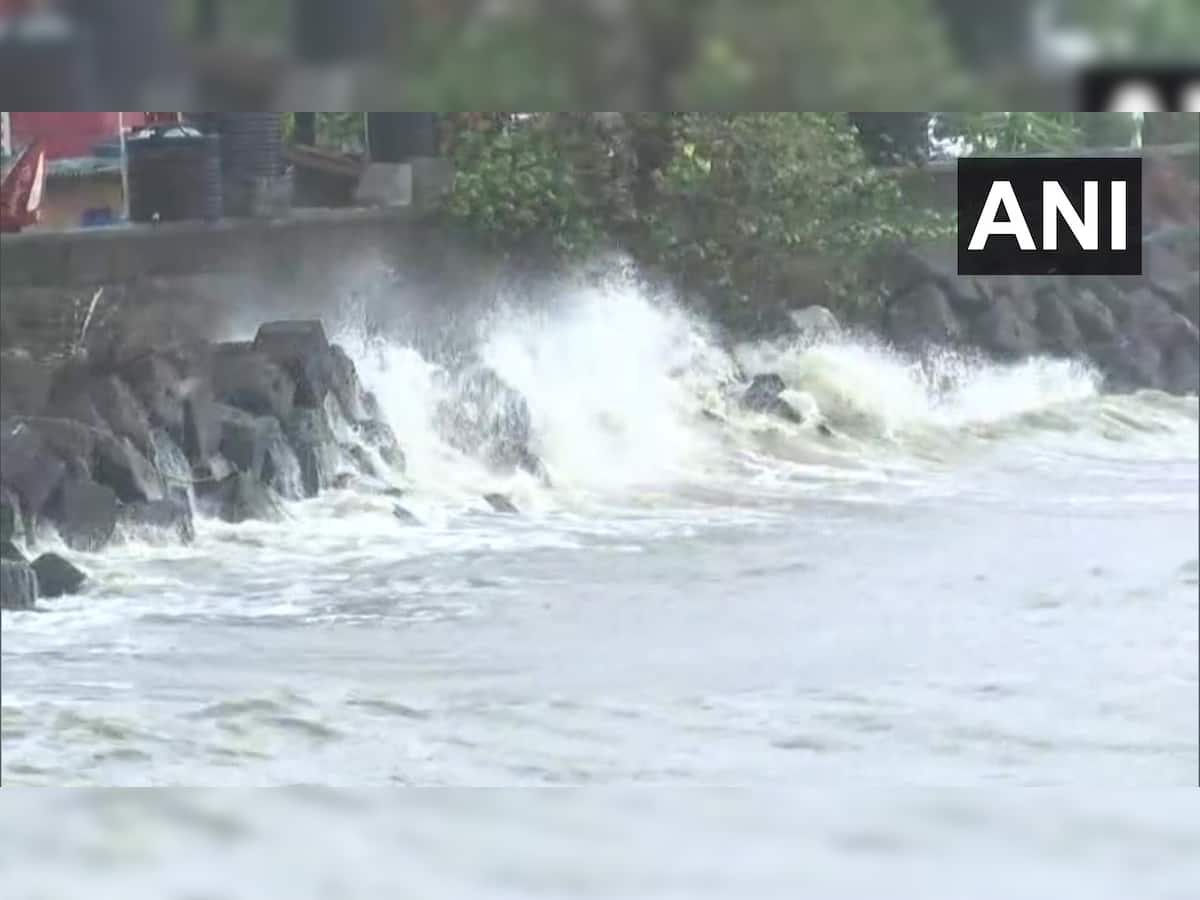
516 183
725 203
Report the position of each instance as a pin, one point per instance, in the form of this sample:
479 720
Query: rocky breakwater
110 444
1140 332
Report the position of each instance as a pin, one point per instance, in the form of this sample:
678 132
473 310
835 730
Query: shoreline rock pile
149 439
1139 331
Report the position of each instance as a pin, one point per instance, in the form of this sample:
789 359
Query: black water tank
174 175
251 143
394 137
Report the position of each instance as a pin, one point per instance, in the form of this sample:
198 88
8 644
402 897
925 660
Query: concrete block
386 184
433 178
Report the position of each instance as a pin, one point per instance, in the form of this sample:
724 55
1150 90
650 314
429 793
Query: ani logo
1050 216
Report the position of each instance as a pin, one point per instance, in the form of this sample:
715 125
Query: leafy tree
516 182
726 203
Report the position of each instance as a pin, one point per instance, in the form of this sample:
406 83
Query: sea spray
630 393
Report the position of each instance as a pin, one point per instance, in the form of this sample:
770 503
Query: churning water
979 574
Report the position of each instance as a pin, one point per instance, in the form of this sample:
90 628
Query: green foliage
1011 132
1036 132
725 202
339 131
517 183
744 192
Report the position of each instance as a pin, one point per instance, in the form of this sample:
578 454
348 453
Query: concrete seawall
198 279
83 257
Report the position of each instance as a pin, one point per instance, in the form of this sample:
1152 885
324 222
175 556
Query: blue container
98 218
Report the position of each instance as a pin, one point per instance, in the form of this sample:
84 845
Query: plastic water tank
174 175
251 144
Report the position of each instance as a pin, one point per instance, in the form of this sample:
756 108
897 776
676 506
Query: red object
21 189
67 135
17 7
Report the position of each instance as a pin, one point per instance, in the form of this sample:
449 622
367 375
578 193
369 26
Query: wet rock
170 461
906 268
101 401
18 585
24 384
281 468
764 395
1183 296
923 316
1165 266
488 419
208 475
501 504
302 349
530 462
85 514
56 577
1153 317
245 438
371 405
379 436
10 516
347 387
1096 321
824 430
1002 330
9 551
242 498
316 447
816 323
171 515
28 470
407 517
968 295
1113 294
1181 371
1130 362
253 383
1056 323
362 459
158 385
71 442
1020 292
201 434
122 467
69 395
122 410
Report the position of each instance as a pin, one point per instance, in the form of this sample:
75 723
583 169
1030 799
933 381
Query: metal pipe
124 168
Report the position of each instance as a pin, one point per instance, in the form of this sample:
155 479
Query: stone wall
187 277
1139 331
